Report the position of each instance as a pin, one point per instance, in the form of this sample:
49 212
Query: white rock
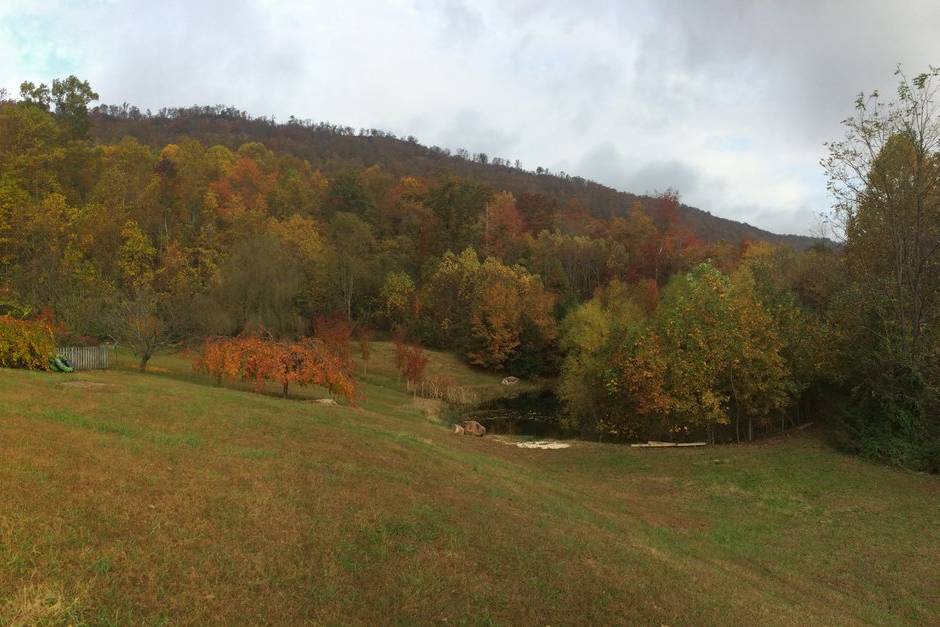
543 445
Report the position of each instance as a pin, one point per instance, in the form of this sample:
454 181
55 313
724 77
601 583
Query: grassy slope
161 499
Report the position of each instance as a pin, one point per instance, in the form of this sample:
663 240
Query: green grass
161 499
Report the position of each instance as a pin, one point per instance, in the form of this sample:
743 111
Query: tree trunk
284 391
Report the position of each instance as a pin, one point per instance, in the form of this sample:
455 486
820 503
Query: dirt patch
90 385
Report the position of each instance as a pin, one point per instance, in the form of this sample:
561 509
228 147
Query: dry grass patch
37 605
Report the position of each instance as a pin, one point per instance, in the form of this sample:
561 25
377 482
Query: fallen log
667 444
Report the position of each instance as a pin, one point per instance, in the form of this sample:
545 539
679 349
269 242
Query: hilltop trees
71 97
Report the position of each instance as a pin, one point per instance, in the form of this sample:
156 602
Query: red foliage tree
259 361
503 225
414 361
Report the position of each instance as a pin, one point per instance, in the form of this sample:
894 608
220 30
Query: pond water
529 413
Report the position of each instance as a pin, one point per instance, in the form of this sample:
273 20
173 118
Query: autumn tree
538 211
511 325
142 319
592 336
458 205
335 333
259 287
502 226
397 298
351 259
809 340
722 351
259 360
72 97
346 194
220 358
574 266
499 316
413 360
304 241
885 179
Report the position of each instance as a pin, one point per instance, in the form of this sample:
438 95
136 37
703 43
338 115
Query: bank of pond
540 414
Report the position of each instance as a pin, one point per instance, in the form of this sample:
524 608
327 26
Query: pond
529 413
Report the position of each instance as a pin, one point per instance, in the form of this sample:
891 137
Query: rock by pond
472 427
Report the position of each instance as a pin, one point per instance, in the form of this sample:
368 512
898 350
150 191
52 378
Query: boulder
472 427
458 430
510 381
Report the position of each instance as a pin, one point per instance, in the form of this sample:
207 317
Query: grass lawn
129 498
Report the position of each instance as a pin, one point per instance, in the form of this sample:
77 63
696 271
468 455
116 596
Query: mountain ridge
332 148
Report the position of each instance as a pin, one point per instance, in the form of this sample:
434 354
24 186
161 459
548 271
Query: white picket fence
86 357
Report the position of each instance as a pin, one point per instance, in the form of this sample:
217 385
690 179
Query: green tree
72 97
351 260
722 351
459 204
346 194
885 179
397 297
260 287
591 335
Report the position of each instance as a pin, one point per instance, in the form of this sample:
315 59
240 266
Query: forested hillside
330 147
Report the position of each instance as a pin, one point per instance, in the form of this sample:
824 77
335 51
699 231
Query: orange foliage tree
503 225
335 332
259 361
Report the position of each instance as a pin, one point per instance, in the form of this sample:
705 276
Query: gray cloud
730 101
659 176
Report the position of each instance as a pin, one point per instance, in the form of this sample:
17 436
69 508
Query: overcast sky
727 101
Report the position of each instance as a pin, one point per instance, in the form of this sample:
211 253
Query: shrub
25 344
